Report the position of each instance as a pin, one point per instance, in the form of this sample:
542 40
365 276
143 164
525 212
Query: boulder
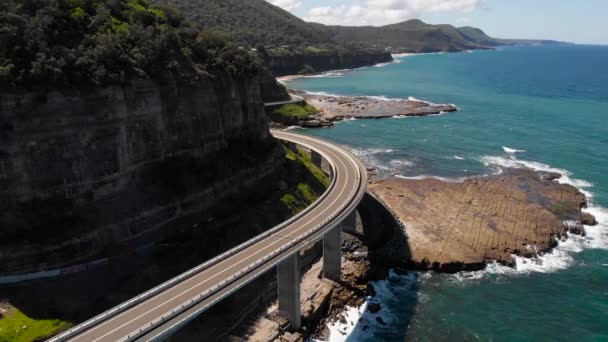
588 219
374 307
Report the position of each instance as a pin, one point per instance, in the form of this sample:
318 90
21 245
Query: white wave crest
514 163
360 323
445 179
381 65
563 255
402 163
512 150
322 93
458 157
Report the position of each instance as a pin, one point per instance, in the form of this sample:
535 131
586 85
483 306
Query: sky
576 21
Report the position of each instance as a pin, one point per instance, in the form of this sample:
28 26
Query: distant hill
408 36
257 22
478 36
251 22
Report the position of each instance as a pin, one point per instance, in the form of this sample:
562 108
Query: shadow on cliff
77 297
394 291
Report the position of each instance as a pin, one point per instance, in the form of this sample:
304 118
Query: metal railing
158 289
169 315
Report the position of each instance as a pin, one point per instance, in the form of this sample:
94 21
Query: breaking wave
562 256
360 323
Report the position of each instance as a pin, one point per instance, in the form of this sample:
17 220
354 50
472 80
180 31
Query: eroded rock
455 226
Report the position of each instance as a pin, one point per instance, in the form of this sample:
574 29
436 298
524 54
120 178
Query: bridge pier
349 225
316 159
332 247
332 254
289 278
292 146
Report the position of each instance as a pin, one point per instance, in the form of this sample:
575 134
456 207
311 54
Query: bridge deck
172 307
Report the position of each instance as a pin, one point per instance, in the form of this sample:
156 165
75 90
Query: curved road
166 308
293 99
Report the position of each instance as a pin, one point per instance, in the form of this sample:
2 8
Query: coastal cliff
291 64
86 173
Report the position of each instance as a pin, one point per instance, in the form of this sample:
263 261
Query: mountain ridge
257 22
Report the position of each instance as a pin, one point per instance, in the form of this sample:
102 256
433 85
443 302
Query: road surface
166 308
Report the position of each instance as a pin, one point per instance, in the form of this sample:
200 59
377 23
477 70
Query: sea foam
563 255
361 324
512 150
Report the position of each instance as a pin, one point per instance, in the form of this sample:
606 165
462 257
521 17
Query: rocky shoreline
338 108
441 226
460 226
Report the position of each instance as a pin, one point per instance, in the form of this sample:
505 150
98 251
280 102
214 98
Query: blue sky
579 21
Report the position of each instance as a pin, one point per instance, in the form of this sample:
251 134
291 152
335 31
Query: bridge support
316 159
292 146
349 225
332 254
289 278
332 247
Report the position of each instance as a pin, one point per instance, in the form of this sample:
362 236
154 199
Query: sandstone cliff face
290 65
89 172
272 90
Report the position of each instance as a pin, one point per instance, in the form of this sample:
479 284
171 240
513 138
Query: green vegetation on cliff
304 194
15 326
251 22
68 42
295 110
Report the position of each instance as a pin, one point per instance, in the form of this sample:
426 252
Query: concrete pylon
332 247
289 278
316 159
332 254
292 146
349 224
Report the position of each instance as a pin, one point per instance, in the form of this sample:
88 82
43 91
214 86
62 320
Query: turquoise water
551 105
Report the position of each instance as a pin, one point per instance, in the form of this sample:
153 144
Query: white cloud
382 12
288 5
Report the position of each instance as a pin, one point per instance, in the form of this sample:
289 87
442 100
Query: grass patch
299 200
304 158
294 110
16 326
300 196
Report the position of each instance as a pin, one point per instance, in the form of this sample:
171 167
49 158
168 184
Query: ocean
543 107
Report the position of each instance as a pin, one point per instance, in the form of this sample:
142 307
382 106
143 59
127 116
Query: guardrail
148 294
193 302
294 99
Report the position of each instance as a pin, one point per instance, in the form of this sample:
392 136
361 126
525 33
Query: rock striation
88 172
454 226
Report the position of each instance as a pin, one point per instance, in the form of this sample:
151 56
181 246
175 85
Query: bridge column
316 159
332 247
332 254
288 275
349 225
292 146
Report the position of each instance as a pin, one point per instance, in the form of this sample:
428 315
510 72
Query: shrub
71 42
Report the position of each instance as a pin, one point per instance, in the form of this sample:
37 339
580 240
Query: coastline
558 257
334 108
356 321
397 59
